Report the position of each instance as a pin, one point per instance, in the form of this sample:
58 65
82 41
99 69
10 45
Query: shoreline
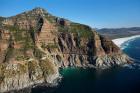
120 41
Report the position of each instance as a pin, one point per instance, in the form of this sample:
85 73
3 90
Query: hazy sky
96 13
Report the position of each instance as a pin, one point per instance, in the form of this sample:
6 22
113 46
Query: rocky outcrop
19 75
35 44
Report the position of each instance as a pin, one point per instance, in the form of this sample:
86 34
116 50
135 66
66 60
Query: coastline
120 41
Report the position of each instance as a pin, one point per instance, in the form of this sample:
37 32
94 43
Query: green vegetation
50 45
43 45
9 54
17 33
22 68
62 28
50 18
1 19
28 42
20 57
32 34
8 71
47 67
38 53
2 70
13 28
82 30
32 68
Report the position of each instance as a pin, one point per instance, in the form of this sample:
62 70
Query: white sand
121 41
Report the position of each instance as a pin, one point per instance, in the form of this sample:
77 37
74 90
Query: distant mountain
119 32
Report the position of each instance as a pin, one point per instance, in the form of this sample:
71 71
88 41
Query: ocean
125 79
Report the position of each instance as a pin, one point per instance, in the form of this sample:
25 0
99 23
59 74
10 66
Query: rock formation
35 44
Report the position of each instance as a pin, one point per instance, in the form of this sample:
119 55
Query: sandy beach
121 41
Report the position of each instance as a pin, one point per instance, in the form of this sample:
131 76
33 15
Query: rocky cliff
35 44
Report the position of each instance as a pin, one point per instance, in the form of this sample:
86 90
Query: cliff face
35 44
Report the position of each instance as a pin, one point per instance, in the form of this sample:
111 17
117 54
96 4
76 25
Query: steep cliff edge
35 44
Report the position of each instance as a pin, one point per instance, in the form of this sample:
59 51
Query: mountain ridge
114 33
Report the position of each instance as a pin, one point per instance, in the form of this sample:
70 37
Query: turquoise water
124 79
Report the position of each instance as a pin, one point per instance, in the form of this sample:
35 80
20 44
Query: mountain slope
35 44
119 32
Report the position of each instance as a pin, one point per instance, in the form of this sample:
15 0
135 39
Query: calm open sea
124 79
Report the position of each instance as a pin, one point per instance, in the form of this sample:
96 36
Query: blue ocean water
124 79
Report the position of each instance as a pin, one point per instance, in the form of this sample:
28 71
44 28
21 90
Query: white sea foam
124 42
129 66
